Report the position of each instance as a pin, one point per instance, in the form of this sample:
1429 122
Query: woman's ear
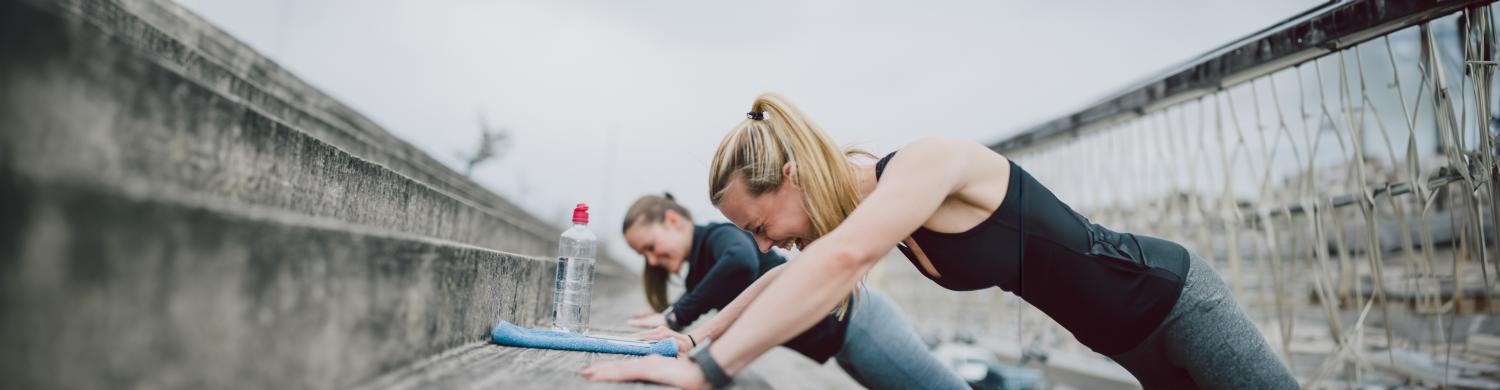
789 174
671 218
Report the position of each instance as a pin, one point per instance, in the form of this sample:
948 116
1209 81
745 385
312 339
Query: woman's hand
647 320
681 373
684 344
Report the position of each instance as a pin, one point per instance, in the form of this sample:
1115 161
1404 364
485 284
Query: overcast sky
666 80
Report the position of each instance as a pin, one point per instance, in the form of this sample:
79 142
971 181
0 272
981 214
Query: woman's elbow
852 258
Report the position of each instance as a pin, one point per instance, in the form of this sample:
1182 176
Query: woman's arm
735 264
914 184
715 326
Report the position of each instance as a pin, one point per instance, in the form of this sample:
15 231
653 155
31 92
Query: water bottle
575 275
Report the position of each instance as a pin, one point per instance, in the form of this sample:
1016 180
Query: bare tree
492 144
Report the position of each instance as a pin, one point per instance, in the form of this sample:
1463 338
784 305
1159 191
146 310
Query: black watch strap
671 318
711 371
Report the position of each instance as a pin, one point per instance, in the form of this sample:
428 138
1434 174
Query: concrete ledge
177 40
177 212
103 291
84 106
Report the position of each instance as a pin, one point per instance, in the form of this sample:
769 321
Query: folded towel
509 334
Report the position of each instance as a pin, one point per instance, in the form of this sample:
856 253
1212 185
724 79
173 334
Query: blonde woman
969 219
875 344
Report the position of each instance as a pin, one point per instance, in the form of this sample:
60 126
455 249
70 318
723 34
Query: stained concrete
102 291
178 212
97 96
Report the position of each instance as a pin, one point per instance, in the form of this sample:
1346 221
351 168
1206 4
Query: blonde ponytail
775 133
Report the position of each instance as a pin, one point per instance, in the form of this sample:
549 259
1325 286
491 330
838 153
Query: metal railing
1338 169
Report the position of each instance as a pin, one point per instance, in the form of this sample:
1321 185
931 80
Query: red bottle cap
581 213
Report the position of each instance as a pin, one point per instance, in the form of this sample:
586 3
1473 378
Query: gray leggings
1206 342
882 350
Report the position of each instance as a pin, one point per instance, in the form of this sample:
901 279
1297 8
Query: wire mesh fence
1347 198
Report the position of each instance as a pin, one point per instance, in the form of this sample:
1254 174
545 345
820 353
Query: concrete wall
176 211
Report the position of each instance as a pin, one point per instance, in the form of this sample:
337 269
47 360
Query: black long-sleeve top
722 263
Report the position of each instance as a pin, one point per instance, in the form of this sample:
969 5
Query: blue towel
509 334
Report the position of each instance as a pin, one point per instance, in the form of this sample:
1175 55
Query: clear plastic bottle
575 274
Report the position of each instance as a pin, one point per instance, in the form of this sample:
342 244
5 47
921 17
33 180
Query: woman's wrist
701 334
715 375
669 317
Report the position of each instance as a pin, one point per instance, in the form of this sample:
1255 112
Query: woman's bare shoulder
977 160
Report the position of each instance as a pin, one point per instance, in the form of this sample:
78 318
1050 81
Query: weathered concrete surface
180 41
101 291
177 212
95 95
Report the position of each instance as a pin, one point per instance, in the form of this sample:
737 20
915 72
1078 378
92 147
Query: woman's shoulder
946 146
718 233
944 153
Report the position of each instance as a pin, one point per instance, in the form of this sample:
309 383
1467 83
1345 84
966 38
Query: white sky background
669 79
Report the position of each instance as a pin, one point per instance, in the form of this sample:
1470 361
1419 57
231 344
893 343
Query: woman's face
665 244
775 218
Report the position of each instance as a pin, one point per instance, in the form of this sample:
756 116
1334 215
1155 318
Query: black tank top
1109 289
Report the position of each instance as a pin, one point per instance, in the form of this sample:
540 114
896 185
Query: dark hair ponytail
652 209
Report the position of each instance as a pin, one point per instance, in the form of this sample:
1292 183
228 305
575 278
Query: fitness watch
711 370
